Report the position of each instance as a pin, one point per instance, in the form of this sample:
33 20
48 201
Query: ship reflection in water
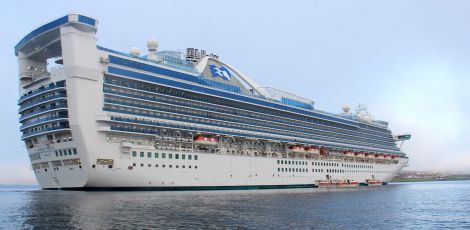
396 206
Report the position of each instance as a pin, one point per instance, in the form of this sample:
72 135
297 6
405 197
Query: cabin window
134 153
195 158
149 154
170 156
142 154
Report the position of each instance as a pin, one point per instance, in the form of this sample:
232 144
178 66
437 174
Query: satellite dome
346 108
152 44
135 51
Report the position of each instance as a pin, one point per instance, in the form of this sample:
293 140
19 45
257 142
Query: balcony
42 121
41 90
29 79
41 101
41 111
46 131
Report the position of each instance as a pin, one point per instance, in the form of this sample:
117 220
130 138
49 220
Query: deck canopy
44 42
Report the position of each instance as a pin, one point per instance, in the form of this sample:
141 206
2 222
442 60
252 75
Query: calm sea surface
430 205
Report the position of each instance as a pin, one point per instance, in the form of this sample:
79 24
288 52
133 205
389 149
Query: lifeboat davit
312 149
203 140
297 149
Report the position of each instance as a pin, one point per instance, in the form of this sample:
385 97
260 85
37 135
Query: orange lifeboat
373 182
337 183
204 140
324 183
323 151
354 183
360 154
348 183
312 149
297 149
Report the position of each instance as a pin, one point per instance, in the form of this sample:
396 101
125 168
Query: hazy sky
409 61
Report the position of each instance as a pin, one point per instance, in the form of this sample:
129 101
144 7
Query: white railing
28 78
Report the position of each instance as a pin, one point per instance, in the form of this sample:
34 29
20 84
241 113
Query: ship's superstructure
93 117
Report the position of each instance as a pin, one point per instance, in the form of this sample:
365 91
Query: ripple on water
396 206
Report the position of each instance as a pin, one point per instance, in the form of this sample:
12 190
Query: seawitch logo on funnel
222 72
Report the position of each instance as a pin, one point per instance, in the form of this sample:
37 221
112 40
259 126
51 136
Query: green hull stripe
189 188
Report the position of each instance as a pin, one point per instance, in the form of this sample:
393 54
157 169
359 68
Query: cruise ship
97 118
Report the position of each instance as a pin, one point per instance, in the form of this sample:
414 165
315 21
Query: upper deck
193 71
206 70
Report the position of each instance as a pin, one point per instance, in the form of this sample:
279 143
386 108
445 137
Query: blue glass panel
295 103
172 73
86 20
181 85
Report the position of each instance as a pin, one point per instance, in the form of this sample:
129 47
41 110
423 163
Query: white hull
213 170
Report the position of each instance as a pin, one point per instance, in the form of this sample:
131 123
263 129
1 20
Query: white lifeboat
387 157
380 156
203 140
370 155
297 149
394 157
